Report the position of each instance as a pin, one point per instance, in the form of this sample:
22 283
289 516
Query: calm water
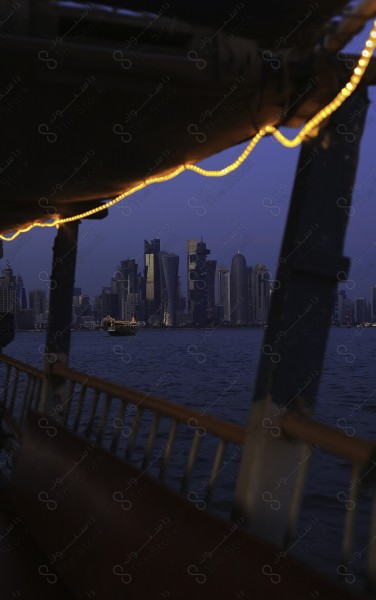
217 370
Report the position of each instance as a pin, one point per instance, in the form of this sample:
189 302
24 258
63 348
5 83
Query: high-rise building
152 278
360 310
125 283
339 308
223 291
132 307
22 293
181 299
105 304
201 278
11 293
81 308
249 295
239 290
373 303
77 292
260 294
191 274
368 312
348 310
169 267
38 306
211 266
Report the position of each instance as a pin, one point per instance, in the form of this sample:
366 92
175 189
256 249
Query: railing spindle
31 392
191 461
14 391
215 470
80 402
24 400
297 494
38 391
118 428
92 413
151 439
371 567
351 505
68 403
135 426
168 450
6 384
102 427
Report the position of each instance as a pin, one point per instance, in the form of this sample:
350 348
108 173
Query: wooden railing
19 391
361 454
143 429
155 433
137 426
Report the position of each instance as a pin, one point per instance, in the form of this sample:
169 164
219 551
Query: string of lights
306 130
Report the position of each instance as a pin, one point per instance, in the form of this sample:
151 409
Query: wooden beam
59 317
310 265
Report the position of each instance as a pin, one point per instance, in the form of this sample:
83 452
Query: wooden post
273 466
53 396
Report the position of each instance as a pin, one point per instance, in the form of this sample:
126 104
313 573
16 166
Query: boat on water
124 327
99 101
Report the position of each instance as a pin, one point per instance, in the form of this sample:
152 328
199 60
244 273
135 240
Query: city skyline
152 292
362 277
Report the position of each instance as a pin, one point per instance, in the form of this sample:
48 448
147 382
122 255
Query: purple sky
244 210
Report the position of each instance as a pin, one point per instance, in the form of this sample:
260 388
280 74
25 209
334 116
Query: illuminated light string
311 125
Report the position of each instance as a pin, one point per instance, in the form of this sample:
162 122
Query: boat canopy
98 98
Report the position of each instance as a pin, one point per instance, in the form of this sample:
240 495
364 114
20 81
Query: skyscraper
238 290
152 277
211 266
260 294
105 304
11 292
201 277
373 303
191 274
360 310
223 291
125 284
169 267
339 308
38 305
249 295
81 308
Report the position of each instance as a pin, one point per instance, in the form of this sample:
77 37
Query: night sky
245 210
